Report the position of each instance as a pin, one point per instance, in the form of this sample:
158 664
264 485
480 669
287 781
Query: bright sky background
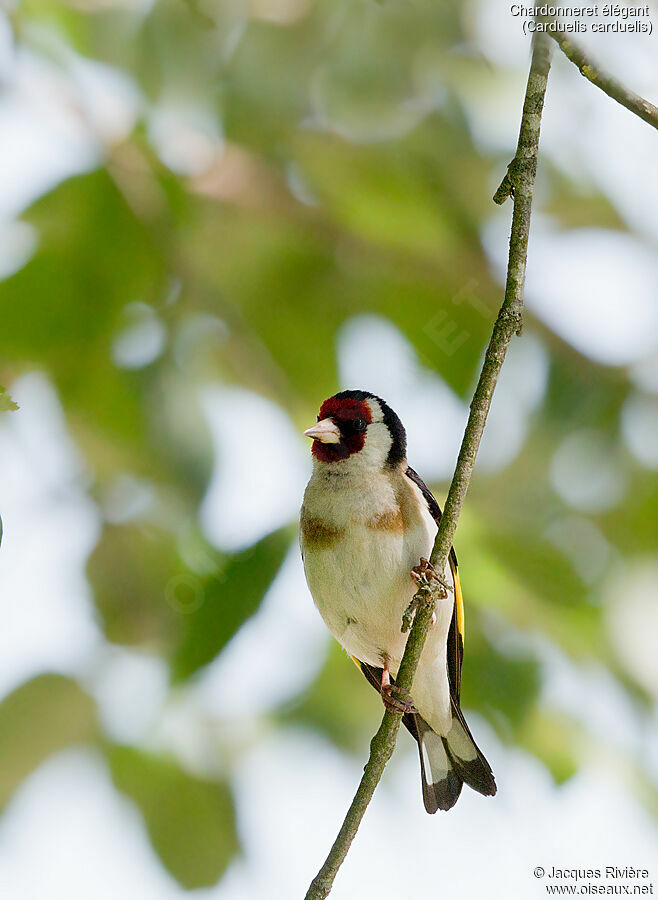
67 833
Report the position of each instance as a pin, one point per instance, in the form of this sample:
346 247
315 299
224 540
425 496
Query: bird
367 521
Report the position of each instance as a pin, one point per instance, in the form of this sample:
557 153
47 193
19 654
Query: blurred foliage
38 719
553 738
147 595
6 403
227 603
339 704
191 821
130 570
321 165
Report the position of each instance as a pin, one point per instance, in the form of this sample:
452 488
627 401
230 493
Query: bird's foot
396 699
425 575
428 582
428 579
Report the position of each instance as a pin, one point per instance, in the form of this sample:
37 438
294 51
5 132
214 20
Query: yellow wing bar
459 600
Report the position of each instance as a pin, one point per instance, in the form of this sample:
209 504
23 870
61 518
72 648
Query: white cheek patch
377 446
376 412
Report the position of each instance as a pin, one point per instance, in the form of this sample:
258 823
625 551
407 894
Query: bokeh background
213 215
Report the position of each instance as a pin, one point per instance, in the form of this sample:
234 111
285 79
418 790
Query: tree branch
613 88
521 177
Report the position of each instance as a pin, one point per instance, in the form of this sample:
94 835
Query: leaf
131 570
6 403
190 820
227 601
93 257
38 719
64 308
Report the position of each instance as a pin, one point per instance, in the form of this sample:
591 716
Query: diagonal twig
521 177
613 88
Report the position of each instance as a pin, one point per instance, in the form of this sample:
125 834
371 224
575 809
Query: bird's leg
395 699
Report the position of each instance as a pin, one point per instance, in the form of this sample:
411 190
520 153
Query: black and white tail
446 761
449 761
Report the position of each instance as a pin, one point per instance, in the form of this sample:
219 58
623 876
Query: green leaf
93 257
63 310
227 601
190 820
131 570
6 403
38 719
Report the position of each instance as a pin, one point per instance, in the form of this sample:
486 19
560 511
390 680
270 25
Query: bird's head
358 425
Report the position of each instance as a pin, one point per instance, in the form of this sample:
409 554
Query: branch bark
519 181
613 88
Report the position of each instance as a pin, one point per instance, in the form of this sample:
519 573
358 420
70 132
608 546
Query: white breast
361 582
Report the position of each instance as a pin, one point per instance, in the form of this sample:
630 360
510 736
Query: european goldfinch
366 522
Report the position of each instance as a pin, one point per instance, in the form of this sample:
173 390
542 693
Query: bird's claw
396 699
428 579
428 583
424 574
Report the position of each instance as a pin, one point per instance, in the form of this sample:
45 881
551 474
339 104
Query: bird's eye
359 424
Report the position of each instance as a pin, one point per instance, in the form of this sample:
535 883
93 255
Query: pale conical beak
326 431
